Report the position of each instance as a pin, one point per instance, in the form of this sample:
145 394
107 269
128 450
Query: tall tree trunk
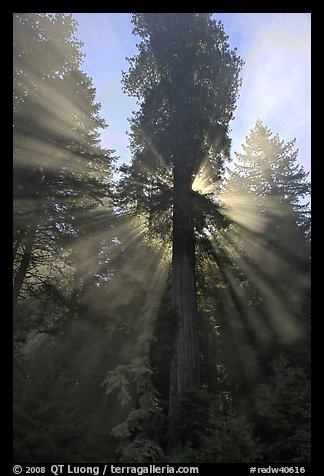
20 276
185 368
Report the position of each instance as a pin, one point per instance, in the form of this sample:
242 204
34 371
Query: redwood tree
186 80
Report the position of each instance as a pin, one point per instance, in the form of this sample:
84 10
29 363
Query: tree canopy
162 311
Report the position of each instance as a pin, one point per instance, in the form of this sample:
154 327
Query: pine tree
60 170
253 288
269 250
62 204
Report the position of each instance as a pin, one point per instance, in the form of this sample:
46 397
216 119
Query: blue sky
276 87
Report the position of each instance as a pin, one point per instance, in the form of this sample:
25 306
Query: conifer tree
186 80
60 170
268 246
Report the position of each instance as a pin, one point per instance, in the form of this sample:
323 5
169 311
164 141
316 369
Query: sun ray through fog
254 256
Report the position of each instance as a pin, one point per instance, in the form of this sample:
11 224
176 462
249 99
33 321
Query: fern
116 379
138 433
142 450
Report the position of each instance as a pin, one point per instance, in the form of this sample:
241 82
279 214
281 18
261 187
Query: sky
276 76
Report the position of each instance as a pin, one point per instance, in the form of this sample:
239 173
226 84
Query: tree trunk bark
185 368
20 276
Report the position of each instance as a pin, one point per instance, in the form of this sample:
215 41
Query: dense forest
161 307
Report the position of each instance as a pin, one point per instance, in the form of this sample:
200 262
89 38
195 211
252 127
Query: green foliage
62 177
269 183
282 410
231 441
141 450
214 431
57 387
61 173
192 417
263 260
116 380
48 422
94 333
139 433
186 80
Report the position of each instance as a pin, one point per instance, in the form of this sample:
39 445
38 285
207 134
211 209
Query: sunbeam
204 181
161 297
